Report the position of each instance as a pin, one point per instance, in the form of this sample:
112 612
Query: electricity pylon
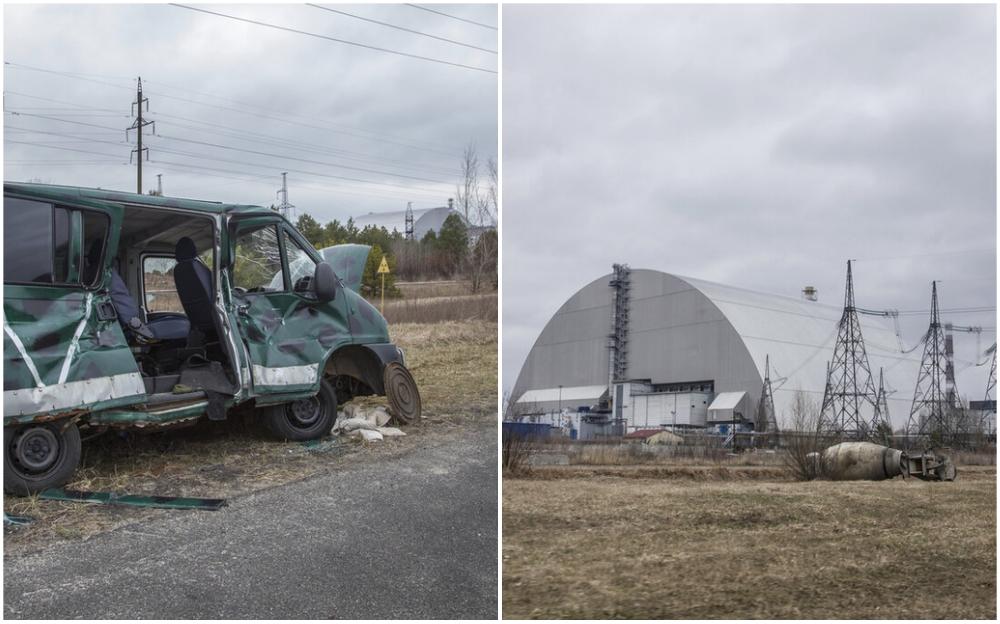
767 422
883 423
991 384
934 410
850 392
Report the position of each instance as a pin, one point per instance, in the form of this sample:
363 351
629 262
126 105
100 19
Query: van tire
305 419
49 462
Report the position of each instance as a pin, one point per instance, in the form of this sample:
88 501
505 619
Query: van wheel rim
401 390
304 412
36 449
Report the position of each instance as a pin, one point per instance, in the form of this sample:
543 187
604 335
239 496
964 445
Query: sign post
383 268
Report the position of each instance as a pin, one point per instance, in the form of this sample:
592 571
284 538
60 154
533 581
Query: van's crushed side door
63 348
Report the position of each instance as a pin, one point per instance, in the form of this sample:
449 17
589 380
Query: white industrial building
424 220
693 355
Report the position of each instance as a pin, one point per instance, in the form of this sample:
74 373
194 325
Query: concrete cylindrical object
861 461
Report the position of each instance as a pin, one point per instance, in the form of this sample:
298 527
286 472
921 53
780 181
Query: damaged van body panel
168 311
63 351
348 261
59 355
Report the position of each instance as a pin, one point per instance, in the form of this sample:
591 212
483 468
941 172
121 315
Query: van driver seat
193 281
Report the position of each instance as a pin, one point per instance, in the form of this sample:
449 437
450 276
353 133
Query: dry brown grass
634 453
438 288
610 547
438 309
454 365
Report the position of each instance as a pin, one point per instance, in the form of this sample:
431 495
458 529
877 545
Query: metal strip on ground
110 498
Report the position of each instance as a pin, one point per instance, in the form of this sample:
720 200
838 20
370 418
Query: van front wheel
39 456
305 419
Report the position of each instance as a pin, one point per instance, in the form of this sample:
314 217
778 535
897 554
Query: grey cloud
358 97
755 146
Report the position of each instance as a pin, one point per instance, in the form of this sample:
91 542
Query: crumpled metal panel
82 394
59 355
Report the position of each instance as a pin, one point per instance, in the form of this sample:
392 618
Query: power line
211 158
334 39
71 136
415 32
962 252
69 121
454 17
56 163
68 112
298 123
68 149
265 139
64 102
66 74
200 170
971 310
328 128
227 147
305 160
322 175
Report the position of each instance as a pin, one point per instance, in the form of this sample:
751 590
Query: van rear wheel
39 456
305 419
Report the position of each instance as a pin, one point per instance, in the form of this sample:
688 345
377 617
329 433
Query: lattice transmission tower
935 413
409 221
767 421
986 424
883 431
284 206
849 401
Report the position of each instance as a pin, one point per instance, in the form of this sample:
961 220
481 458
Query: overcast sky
395 125
759 147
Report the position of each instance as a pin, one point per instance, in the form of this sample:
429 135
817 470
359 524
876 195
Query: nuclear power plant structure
641 349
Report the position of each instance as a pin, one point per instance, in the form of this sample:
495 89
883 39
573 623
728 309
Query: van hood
348 262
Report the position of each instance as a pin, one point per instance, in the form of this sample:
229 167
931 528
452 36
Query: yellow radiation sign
383 268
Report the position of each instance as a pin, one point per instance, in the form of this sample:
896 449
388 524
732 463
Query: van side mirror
325 282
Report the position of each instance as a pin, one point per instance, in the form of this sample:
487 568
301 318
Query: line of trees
445 254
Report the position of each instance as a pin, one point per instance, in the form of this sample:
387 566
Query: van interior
163 290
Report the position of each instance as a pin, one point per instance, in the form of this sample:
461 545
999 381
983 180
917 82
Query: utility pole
138 125
159 184
850 390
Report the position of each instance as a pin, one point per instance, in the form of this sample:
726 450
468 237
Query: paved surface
405 537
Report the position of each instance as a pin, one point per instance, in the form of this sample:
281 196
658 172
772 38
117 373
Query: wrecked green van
142 312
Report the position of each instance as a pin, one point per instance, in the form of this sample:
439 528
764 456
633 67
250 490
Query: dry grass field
454 364
481 306
732 541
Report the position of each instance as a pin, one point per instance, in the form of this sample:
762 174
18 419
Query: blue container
526 430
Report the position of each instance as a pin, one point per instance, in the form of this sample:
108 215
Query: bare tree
480 263
490 206
804 439
467 193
